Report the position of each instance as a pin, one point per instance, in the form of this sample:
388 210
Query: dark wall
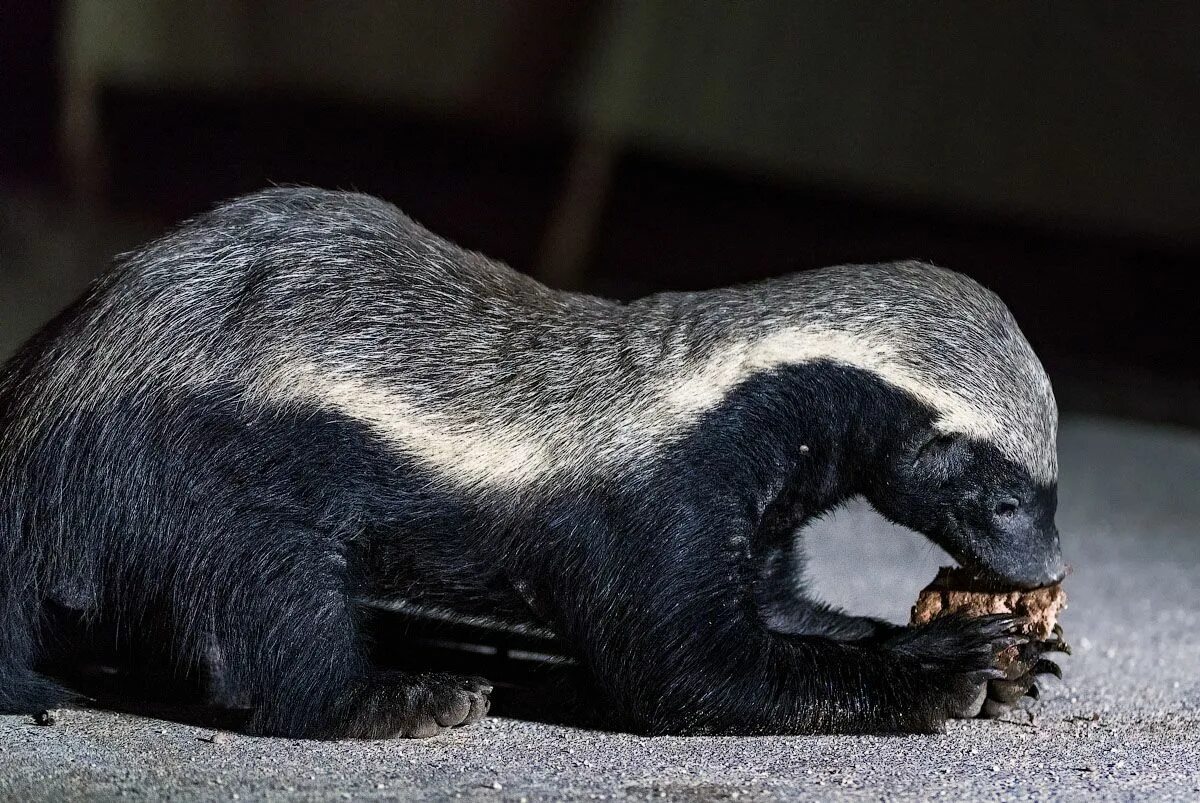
28 89
1108 306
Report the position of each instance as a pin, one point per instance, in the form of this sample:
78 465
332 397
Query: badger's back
307 299
284 272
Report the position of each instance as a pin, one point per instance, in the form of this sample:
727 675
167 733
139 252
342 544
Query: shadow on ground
533 677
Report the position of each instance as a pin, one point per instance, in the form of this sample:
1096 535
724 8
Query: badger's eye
1007 507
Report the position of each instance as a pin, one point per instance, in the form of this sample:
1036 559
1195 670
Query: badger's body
303 399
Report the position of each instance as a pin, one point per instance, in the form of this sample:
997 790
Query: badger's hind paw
413 705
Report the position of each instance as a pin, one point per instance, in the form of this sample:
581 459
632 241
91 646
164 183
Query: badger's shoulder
310 267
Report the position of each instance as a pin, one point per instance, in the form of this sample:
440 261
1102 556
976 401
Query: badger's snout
1023 547
1047 571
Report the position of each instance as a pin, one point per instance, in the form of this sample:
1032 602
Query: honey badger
302 399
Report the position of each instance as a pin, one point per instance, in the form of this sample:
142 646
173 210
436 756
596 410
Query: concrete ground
1125 723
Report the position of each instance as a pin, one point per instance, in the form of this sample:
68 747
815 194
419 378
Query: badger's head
975 466
987 509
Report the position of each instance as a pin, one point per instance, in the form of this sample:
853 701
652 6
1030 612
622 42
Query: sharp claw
1033 692
1016 624
1055 642
1057 646
1048 645
1047 667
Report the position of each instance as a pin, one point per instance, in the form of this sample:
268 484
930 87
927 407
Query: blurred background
1050 150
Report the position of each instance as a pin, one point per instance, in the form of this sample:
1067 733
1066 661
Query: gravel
1125 723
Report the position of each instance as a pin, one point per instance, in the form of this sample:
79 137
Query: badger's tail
22 689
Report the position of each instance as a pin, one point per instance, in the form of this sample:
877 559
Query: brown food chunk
956 590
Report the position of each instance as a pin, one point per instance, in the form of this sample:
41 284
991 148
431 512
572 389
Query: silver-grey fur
487 376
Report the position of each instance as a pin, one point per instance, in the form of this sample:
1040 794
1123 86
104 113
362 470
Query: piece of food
957 590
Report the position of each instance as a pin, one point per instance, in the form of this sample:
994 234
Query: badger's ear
935 441
940 452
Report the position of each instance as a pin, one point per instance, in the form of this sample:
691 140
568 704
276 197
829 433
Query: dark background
1052 151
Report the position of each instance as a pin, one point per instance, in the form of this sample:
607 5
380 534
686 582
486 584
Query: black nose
1027 580
1027 559
1035 571
1056 572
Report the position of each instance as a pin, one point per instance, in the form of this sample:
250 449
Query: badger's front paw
1025 665
954 659
413 705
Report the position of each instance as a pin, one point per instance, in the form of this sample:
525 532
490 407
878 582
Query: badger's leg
786 608
314 683
291 648
689 652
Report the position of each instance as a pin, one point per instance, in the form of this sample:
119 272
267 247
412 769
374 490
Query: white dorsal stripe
468 447
338 301
796 346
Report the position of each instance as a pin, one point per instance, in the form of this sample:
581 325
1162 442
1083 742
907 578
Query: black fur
253 534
